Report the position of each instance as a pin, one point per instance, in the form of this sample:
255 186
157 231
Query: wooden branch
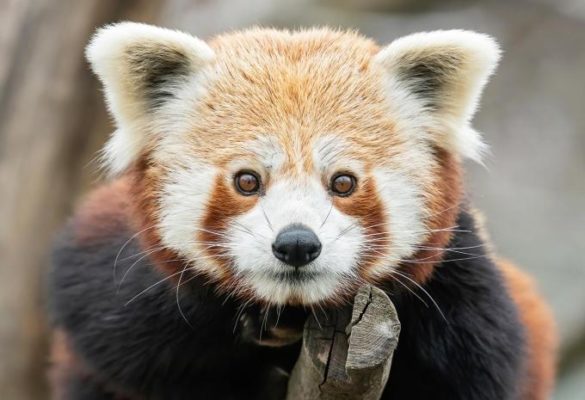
347 354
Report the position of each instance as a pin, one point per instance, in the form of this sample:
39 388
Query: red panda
277 170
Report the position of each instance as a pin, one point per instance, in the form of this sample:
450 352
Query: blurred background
53 120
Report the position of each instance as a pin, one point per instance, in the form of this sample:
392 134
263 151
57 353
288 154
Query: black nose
296 245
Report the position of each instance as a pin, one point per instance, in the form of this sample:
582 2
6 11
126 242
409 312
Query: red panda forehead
293 46
301 158
230 126
293 86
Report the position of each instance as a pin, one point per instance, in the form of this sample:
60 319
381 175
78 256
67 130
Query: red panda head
291 167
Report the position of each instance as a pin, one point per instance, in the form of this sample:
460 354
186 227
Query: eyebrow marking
327 150
268 150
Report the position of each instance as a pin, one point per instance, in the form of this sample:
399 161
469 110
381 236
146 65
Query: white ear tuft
442 74
142 67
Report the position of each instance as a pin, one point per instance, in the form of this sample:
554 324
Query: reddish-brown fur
109 208
64 363
103 213
145 181
68 367
226 205
298 88
367 206
442 201
540 331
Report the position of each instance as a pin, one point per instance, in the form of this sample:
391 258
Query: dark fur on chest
133 337
477 350
142 347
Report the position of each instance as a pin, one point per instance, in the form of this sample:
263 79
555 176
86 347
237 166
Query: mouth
295 275
294 287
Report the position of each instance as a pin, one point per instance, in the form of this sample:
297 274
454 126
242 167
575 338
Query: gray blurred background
52 122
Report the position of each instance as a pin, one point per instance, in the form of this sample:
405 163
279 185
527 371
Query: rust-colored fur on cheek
366 205
540 332
223 206
144 194
442 202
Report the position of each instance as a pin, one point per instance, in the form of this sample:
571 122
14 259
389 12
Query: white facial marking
404 208
264 156
301 200
290 200
398 189
184 200
330 156
295 202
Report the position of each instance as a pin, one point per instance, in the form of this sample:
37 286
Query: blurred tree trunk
51 119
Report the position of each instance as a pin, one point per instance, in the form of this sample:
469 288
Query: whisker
453 248
263 324
365 227
279 309
411 291
316 319
424 291
242 228
444 261
344 232
124 246
178 300
322 310
239 313
153 286
148 253
187 268
216 233
266 217
327 216
442 211
153 248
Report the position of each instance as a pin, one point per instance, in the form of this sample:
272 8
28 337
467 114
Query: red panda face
294 167
232 220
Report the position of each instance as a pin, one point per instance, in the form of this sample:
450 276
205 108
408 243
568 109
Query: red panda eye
247 183
343 184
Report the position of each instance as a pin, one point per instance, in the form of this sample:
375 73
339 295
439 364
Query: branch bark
348 355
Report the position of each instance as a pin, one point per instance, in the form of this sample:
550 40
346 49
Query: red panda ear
435 79
143 69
